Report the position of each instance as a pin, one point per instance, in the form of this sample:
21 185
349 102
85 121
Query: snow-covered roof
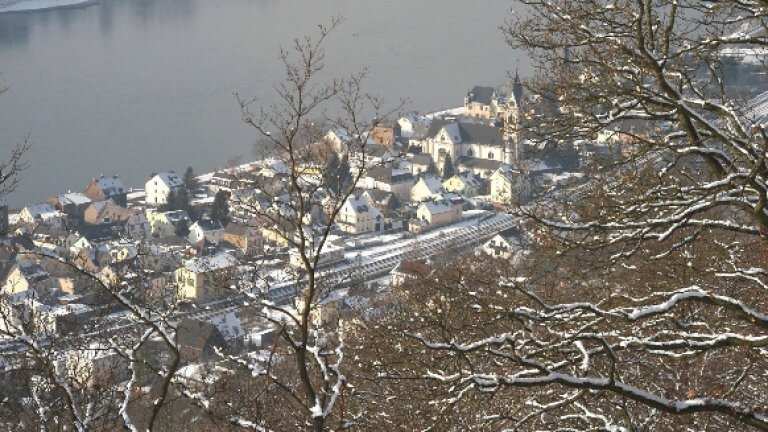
757 109
208 225
437 207
73 198
205 264
110 185
432 183
169 178
228 324
42 211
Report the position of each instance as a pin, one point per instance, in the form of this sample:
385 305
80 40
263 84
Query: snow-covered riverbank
35 5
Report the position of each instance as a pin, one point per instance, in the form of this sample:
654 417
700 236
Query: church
479 145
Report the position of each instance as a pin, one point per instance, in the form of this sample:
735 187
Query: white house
40 213
206 229
389 179
439 212
509 186
464 184
160 186
426 188
506 245
358 216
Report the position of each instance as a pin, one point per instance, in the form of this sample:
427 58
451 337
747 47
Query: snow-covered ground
33 5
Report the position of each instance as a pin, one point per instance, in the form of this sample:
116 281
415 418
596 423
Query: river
130 87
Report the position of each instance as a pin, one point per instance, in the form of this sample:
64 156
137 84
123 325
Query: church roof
469 133
481 94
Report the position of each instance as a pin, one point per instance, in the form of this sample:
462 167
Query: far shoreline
46 5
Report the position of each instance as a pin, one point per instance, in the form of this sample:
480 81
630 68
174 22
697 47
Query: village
436 186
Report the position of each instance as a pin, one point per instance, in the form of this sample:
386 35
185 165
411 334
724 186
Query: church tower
513 153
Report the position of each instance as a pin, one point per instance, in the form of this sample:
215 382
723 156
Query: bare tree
645 309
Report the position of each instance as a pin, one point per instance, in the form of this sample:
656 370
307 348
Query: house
42 213
137 226
97 365
160 186
412 125
337 139
487 103
482 168
198 341
273 168
509 186
439 212
389 179
168 224
420 163
388 204
106 212
408 270
243 237
358 216
465 184
506 245
385 134
329 255
104 188
27 277
482 102
426 188
71 203
205 278
205 230
228 181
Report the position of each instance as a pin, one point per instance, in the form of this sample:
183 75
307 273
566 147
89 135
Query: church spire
517 89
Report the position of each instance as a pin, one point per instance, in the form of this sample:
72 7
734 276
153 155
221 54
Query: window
490 155
469 152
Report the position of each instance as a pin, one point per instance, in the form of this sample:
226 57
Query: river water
130 87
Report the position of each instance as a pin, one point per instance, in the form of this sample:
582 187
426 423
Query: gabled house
389 205
509 186
245 238
427 187
439 212
385 134
420 163
137 226
168 224
206 278
205 230
27 277
408 270
465 184
337 139
389 179
42 213
507 244
106 212
358 216
483 102
105 188
160 186
198 341
72 203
